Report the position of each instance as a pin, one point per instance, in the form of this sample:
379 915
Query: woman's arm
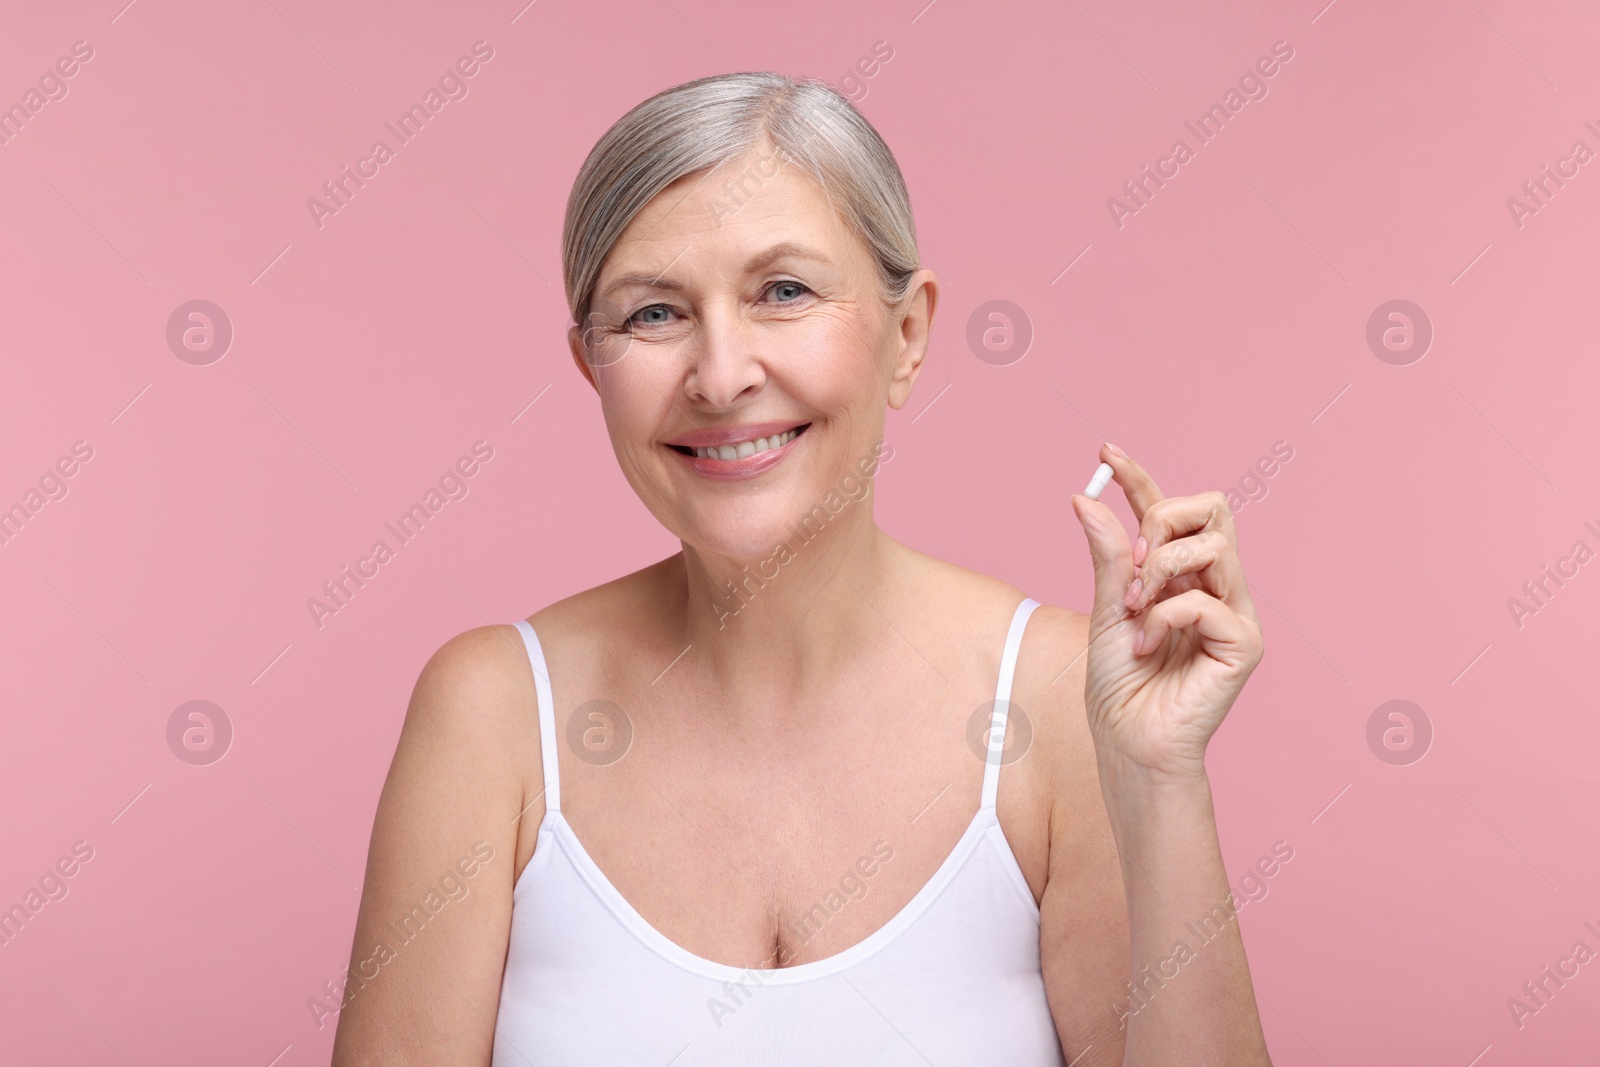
431 935
1191 982
1173 637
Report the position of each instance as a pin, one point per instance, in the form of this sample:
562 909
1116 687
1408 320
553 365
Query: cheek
837 364
635 404
640 386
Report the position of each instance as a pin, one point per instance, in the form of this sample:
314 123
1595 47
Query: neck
785 620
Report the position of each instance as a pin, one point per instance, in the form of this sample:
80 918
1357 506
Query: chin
748 531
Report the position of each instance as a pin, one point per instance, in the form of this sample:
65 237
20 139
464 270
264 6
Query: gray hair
710 121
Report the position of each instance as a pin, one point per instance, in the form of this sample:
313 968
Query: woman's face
738 313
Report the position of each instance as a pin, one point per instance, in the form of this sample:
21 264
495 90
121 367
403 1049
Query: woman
746 805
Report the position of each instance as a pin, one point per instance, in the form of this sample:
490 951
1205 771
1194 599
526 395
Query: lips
732 435
737 452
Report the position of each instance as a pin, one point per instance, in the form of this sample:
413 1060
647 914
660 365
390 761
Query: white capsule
1101 479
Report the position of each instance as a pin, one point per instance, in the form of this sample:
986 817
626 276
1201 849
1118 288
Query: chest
774 852
587 981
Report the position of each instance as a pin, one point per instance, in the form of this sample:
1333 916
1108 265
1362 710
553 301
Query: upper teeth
747 448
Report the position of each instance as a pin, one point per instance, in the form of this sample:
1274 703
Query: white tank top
953 978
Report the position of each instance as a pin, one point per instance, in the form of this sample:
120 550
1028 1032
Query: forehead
731 213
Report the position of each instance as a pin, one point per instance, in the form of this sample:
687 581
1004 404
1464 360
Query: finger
1205 555
1137 485
1112 558
1223 633
1179 516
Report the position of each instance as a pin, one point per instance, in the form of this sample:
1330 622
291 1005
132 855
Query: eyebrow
784 249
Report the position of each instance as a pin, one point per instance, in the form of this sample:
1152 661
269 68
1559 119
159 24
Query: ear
575 342
913 324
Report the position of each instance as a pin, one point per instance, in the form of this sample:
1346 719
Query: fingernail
1138 550
1132 595
1114 450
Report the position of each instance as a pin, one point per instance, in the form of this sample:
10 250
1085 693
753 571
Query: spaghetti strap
1002 702
547 716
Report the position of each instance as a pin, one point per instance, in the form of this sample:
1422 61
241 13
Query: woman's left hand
1173 634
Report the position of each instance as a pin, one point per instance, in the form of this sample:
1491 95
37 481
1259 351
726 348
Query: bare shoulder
471 711
486 666
471 731
1048 687
441 853
465 740
1050 671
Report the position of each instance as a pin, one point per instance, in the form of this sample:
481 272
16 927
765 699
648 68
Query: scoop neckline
566 836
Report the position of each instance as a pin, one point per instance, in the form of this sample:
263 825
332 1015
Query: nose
726 361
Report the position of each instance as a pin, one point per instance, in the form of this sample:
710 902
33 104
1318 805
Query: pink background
1228 314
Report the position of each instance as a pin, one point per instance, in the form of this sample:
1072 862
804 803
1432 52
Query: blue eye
788 285
634 318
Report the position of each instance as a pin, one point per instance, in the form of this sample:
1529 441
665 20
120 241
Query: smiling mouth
742 449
